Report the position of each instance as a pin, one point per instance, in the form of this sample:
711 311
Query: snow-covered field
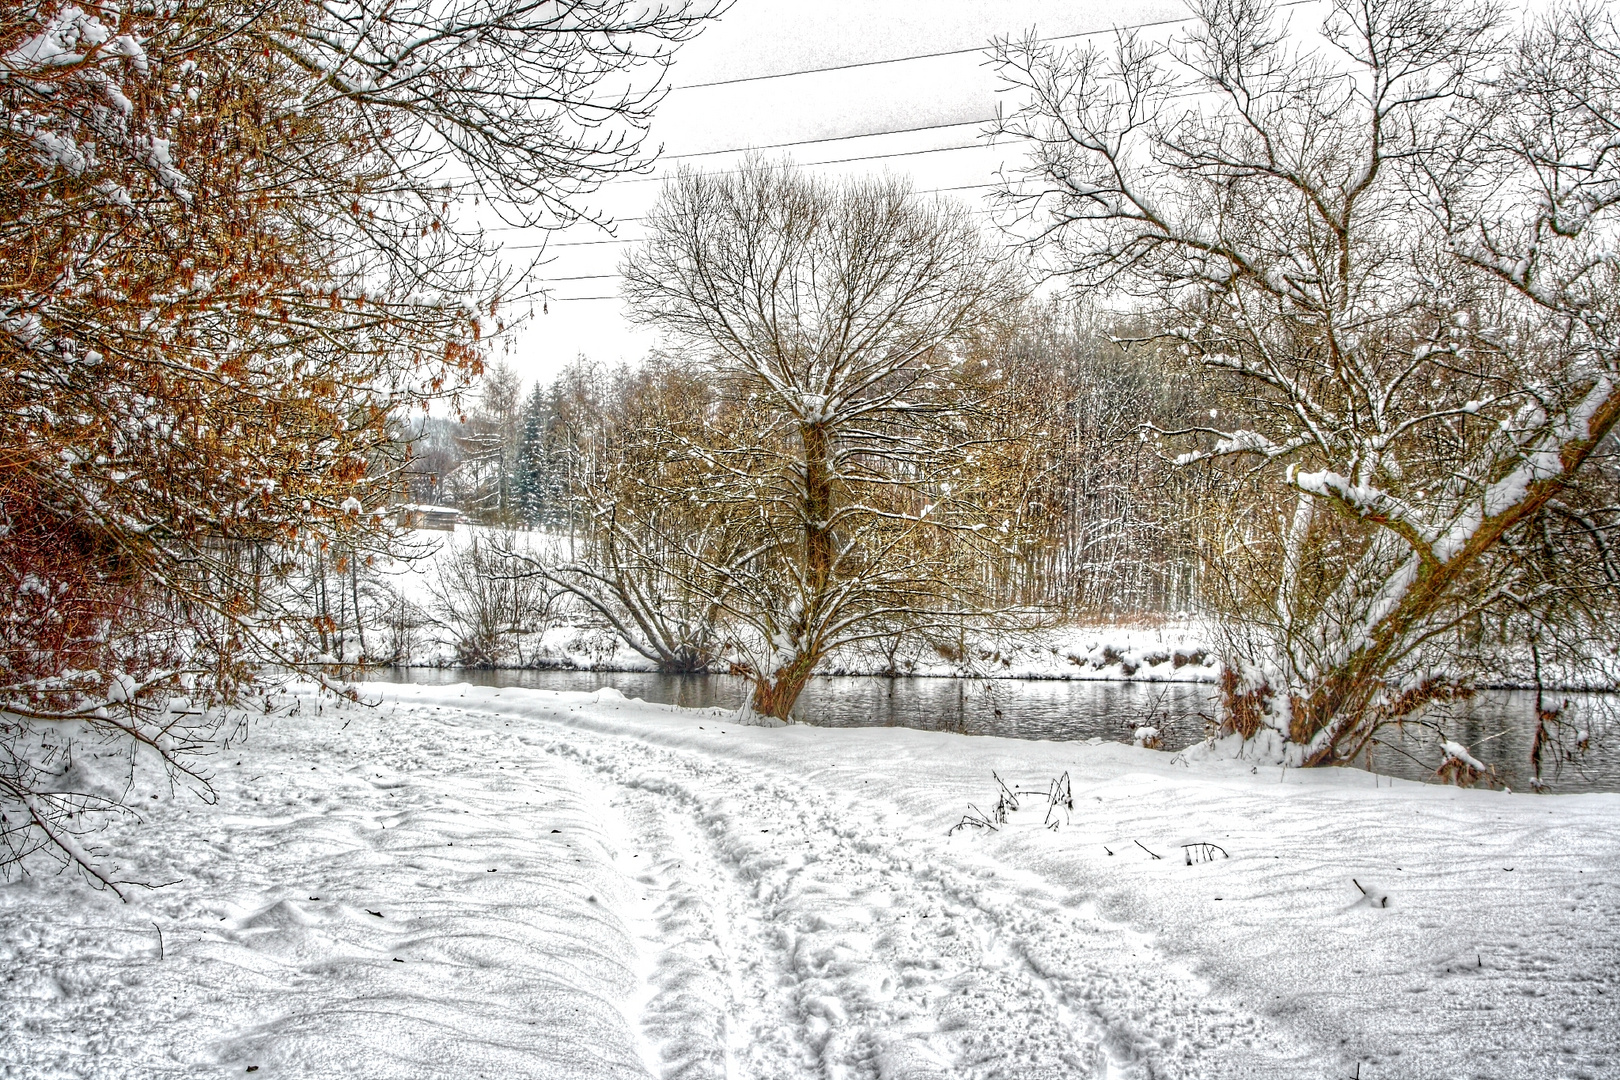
468 883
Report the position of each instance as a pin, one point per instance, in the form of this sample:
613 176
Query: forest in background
1105 519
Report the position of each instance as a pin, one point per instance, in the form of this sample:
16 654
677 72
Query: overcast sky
771 37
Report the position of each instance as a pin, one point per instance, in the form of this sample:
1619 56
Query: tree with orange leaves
228 257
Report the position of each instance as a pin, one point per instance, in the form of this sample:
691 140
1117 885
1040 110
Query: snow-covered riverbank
439 622
468 882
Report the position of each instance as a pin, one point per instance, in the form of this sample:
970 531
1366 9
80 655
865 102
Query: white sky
767 37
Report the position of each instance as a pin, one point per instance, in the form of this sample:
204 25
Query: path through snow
824 938
464 883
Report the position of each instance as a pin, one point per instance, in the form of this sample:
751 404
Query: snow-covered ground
469 883
1174 649
1168 652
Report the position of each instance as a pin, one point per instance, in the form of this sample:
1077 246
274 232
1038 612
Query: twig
1059 794
1205 852
1398 750
976 819
1383 901
1138 843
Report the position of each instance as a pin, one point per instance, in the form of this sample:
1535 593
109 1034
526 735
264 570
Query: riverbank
1498 728
435 621
439 622
1173 651
464 881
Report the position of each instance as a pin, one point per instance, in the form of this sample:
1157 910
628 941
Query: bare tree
485 474
1113 524
488 609
831 313
1391 241
534 102
653 552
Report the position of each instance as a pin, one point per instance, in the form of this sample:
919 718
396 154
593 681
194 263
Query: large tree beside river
1391 241
839 318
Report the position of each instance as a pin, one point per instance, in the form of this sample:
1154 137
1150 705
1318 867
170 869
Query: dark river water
1496 726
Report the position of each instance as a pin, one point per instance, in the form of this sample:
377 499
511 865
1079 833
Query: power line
581 243
547 247
807 164
936 55
832 138
638 239
908 130
959 187
858 135
830 161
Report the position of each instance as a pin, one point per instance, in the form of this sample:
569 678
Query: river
1497 726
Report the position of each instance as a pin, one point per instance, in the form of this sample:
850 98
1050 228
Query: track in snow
434 890
800 932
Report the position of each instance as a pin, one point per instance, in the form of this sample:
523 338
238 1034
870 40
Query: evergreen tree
528 488
541 472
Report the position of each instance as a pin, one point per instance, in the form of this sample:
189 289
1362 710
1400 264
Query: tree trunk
818 540
354 586
776 694
1333 710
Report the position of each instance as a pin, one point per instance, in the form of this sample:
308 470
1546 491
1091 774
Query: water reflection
1497 726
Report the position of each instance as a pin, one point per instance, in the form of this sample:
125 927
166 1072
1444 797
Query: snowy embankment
566 634
1173 652
468 882
1171 649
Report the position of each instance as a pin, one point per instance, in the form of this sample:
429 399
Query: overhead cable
831 138
936 55
830 161
865 134
639 239
802 165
